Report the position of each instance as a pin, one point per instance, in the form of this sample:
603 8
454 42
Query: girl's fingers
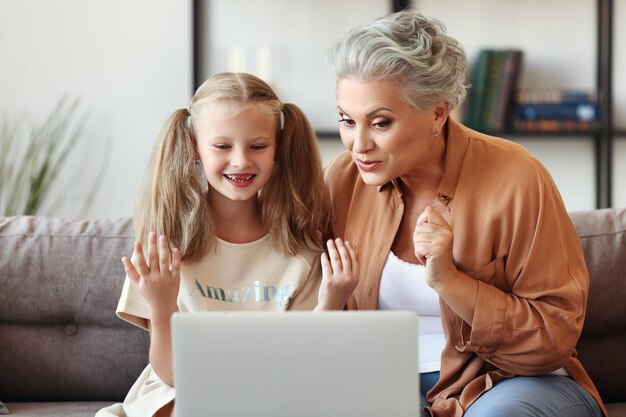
175 262
333 254
153 253
326 268
131 272
354 260
343 254
164 254
140 260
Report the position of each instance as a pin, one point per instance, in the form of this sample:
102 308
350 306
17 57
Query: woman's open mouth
368 166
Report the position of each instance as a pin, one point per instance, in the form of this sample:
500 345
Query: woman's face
388 137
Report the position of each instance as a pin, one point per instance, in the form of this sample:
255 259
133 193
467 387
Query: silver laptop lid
296 364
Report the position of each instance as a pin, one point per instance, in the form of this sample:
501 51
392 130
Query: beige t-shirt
248 276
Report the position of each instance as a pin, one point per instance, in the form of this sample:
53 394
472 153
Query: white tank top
403 287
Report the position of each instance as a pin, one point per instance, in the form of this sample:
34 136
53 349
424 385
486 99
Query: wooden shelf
327 134
526 135
538 134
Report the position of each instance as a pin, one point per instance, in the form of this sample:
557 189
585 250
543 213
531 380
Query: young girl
235 186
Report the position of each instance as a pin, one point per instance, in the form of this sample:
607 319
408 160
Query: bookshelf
604 136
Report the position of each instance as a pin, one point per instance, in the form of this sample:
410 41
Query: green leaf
30 163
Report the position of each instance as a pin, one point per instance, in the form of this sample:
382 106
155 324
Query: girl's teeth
239 179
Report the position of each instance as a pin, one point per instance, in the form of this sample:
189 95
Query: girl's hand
340 275
158 280
432 242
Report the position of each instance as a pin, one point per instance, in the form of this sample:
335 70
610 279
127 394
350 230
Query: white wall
330 148
129 62
284 43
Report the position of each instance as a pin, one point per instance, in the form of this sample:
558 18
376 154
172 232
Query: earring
436 133
204 183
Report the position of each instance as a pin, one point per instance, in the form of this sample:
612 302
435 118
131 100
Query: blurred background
85 85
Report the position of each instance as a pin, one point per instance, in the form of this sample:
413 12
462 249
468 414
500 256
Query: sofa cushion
603 340
60 339
616 409
57 409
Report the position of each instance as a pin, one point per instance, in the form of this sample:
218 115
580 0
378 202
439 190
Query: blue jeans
529 396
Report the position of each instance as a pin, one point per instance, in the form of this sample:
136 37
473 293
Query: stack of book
491 96
556 111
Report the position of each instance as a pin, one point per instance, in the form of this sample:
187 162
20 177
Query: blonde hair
294 202
410 50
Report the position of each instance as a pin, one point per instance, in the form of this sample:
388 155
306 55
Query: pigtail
171 201
295 201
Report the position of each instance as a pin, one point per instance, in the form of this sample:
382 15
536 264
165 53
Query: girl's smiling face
236 145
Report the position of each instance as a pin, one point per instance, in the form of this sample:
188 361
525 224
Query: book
502 115
555 126
493 76
555 96
477 91
494 82
587 111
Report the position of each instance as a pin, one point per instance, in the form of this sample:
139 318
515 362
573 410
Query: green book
477 90
502 114
491 90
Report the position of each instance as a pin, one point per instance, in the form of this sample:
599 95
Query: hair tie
282 119
189 124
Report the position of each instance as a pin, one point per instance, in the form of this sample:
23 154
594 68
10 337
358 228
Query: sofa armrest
601 346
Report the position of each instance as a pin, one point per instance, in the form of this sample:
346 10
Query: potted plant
31 159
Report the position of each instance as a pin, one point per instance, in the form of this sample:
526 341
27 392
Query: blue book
585 111
553 95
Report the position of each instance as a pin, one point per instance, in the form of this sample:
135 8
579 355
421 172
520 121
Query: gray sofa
64 353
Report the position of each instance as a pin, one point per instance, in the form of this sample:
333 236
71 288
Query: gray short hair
408 49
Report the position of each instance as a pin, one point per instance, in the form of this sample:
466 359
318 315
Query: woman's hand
158 280
340 275
432 241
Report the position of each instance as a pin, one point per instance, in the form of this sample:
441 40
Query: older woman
465 229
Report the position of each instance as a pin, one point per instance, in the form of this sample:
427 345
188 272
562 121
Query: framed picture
282 42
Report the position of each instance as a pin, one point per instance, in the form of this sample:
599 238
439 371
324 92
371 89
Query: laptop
296 364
